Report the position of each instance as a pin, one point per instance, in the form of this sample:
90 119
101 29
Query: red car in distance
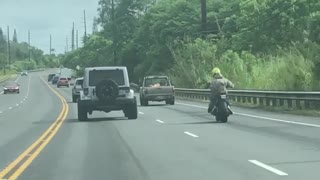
11 87
63 81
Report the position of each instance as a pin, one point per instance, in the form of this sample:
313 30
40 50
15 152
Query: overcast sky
45 17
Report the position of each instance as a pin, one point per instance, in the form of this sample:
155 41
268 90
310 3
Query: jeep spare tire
107 90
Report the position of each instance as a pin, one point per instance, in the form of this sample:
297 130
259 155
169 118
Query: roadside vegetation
258 44
19 56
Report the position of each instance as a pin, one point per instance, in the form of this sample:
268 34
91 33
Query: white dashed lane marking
191 134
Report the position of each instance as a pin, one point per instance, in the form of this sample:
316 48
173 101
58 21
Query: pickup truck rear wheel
131 111
170 101
74 98
143 102
82 112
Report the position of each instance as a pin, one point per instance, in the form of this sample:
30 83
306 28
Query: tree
15 37
3 42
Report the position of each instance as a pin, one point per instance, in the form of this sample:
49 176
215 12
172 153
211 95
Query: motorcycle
221 111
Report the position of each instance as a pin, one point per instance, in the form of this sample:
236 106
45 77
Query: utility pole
8 44
113 33
85 26
29 47
77 45
50 45
72 37
204 16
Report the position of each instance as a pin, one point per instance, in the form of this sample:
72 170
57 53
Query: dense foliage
258 44
19 55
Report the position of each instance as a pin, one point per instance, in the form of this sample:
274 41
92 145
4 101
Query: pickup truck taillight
86 91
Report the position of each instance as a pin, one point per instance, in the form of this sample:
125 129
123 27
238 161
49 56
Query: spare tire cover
107 90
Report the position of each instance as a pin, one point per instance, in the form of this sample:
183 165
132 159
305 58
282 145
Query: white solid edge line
1 92
10 107
260 117
17 104
269 168
190 134
141 113
159 121
1 112
17 79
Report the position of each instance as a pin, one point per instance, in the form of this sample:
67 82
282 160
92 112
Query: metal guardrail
287 99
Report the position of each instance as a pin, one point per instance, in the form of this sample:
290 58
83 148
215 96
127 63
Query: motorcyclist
218 86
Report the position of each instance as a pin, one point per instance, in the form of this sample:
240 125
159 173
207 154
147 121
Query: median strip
18 166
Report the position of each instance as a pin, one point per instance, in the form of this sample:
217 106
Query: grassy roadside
293 111
7 75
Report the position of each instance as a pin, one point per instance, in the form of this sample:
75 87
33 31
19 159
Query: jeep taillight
86 91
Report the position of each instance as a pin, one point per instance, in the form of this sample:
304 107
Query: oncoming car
11 87
63 81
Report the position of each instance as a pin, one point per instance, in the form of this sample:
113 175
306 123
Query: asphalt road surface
165 143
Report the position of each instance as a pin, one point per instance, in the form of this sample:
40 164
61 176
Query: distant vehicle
156 88
106 89
55 79
11 87
76 89
50 76
63 81
24 73
66 72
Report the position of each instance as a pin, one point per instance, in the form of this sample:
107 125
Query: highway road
41 138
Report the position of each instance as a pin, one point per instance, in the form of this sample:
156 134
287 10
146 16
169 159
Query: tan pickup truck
156 88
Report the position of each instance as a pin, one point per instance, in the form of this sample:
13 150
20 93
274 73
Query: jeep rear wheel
82 112
131 111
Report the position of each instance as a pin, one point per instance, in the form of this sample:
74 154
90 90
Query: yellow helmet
215 71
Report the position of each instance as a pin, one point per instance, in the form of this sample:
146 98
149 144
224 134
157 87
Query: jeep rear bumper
119 104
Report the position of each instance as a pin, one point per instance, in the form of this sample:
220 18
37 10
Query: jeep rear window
156 82
95 76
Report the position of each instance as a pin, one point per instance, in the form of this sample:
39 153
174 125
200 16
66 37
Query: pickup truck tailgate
156 91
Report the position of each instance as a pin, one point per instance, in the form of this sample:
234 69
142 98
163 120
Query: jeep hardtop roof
106 68
150 77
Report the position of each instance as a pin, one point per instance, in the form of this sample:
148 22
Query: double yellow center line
18 166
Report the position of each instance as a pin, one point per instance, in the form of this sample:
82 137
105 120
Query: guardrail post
274 102
298 104
307 104
289 101
243 99
254 100
267 101
249 99
281 102
260 101
238 98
